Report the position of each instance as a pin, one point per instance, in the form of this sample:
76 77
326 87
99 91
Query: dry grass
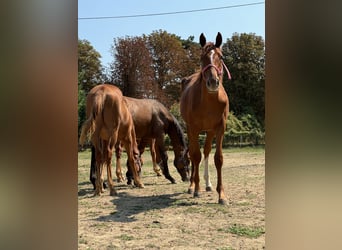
163 215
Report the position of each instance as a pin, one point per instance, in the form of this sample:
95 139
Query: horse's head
182 165
211 62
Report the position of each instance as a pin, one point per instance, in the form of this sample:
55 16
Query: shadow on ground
128 206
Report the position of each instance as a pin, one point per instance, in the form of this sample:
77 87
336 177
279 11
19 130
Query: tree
244 55
193 54
168 57
89 66
131 69
81 104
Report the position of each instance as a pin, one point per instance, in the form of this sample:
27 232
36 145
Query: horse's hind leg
109 168
92 176
207 149
118 171
156 168
99 174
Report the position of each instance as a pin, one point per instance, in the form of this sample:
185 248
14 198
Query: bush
243 130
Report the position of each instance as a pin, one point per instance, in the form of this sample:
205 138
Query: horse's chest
206 118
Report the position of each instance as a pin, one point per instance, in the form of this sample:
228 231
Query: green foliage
174 109
89 75
152 66
245 127
81 106
89 66
249 232
244 54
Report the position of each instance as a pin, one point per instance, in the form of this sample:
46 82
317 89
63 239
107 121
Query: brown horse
118 150
152 120
204 106
109 121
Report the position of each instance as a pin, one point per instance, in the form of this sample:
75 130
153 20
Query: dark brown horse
118 150
109 121
152 120
204 106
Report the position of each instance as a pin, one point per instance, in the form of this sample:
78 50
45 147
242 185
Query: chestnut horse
118 151
204 106
109 121
151 142
152 120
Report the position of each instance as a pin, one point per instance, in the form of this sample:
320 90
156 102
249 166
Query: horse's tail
89 125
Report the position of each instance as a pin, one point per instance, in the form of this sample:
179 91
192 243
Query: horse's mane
175 131
190 79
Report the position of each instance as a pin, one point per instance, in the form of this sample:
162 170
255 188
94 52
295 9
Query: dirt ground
165 216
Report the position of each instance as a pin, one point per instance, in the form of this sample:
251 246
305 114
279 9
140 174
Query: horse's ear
218 40
202 40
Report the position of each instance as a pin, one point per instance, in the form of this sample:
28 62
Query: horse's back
189 97
148 115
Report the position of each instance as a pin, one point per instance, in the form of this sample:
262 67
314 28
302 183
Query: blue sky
100 33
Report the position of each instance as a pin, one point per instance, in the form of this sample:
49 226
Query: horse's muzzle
212 84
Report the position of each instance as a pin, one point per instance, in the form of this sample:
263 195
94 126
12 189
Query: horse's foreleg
133 158
218 163
207 149
160 149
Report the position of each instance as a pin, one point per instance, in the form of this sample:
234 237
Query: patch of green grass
150 245
243 203
250 232
111 246
126 237
100 225
154 224
225 248
82 241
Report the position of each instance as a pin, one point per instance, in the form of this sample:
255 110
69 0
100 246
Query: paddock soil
165 216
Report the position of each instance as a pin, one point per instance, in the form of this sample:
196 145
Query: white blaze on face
206 172
212 52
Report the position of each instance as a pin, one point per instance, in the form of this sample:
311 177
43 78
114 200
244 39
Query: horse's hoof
208 189
196 194
113 192
139 185
173 181
222 202
121 179
186 179
190 191
97 194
